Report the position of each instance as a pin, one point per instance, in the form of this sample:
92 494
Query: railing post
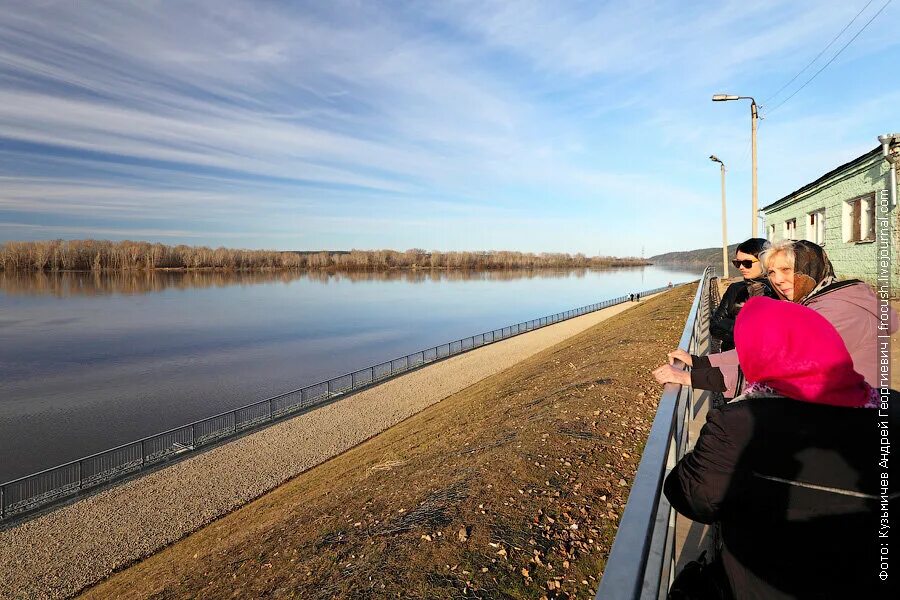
80 478
143 455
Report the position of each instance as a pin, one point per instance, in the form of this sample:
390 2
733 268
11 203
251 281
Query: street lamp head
754 117
715 158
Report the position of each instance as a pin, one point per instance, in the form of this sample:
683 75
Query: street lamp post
713 158
754 120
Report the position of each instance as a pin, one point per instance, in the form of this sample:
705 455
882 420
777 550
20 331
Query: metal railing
714 299
27 494
642 561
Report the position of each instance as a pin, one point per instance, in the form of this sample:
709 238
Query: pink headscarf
795 351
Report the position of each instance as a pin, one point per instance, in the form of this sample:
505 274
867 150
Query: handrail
23 496
643 551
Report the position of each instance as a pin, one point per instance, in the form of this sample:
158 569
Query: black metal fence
32 492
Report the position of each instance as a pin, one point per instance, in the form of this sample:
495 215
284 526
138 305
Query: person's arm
670 374
721 324
727 372
700 362
701 378
709 378
703 481
729 358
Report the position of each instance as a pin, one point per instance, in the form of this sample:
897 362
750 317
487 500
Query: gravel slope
58 554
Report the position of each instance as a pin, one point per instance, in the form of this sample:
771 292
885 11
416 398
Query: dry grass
512 488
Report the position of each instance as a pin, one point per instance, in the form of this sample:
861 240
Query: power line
833 40
768 112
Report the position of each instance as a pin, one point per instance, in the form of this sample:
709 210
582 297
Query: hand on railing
682 355
672 374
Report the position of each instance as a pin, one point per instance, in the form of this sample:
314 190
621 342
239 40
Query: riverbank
61 552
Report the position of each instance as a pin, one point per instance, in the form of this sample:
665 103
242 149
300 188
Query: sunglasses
744 263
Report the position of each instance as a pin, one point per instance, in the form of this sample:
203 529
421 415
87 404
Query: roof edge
859 159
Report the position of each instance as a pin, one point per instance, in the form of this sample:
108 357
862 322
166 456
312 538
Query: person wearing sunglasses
754 283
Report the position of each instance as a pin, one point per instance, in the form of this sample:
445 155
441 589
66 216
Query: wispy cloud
455 124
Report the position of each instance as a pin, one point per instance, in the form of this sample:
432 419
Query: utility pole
754 119
714 158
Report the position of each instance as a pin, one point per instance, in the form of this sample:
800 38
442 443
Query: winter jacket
721 324
853 309
796 489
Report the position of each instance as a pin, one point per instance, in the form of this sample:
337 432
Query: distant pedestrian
637 297
631 297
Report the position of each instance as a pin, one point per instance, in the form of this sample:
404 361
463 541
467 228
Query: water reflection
102 283
93 360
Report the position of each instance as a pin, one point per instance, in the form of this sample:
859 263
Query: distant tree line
101 255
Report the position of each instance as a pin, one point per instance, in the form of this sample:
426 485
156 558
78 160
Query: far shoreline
329 269
102 255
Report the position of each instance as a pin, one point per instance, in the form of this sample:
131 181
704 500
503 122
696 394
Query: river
89 361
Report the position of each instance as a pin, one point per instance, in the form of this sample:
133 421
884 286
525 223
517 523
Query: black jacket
781 539
722 322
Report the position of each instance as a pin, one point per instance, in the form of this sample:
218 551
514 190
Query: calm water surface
90 361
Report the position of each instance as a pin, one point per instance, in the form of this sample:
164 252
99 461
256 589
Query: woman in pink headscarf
791 468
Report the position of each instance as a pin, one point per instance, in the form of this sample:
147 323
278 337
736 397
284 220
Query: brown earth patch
512 488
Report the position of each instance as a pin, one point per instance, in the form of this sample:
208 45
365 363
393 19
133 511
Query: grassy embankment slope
512 488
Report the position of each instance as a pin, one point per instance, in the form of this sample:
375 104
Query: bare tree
143 256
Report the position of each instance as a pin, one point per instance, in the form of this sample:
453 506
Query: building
839 210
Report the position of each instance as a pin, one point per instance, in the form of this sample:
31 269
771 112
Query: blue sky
533 126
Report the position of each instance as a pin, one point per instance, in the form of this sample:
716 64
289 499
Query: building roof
858 160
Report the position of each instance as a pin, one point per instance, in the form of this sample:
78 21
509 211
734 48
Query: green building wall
852 260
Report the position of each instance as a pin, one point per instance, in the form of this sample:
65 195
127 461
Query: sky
452 125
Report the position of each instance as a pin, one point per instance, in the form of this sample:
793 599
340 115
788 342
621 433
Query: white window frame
815 226
790 229
861 230
771 233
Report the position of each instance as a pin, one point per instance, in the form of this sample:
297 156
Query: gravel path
60 553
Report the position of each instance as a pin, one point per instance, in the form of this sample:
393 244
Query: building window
815 227
790 229
771 233
859 219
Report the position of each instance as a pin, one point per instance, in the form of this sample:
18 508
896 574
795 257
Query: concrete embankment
60 553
